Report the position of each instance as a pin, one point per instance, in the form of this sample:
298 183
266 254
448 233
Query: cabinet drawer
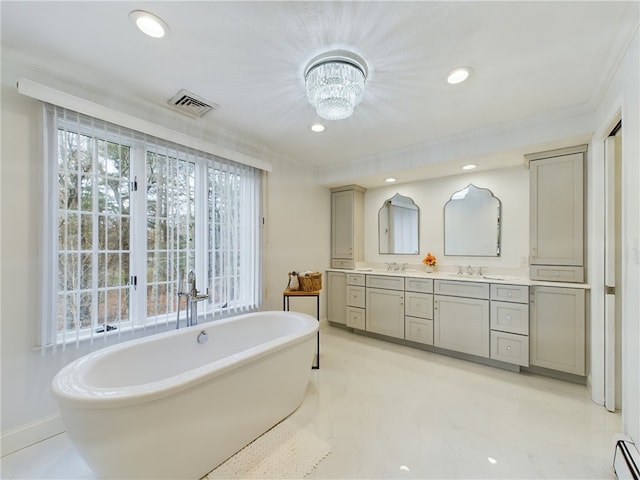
418 330
418 285
355 296
556 274
386 282
511 348
355 318
510 317
509 293
418 305
340 263
461 289
355 279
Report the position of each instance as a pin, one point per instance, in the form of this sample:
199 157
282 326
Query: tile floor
391 411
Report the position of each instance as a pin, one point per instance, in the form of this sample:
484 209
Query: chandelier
335 83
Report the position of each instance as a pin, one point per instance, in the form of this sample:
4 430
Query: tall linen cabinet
347 226
557 314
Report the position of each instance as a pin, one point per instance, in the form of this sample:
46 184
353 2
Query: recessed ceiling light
471 166
459 75
149 24
317 127
390 180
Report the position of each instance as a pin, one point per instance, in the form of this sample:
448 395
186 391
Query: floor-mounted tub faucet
192 296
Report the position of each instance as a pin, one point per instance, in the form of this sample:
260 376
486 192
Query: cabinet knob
508 317
508 294
556 273
508 348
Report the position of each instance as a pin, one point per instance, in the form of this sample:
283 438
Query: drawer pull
508 294
508 348
556 273
509 317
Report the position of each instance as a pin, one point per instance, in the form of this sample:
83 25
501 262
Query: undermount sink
494 277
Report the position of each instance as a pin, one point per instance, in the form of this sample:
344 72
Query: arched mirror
472 223
398 226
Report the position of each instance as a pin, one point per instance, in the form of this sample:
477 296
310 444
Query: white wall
510 186
623 94
297 220
298 233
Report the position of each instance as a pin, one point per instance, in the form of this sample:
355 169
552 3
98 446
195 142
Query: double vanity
510 323
537 322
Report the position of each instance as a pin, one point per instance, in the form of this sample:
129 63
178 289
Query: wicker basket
310 282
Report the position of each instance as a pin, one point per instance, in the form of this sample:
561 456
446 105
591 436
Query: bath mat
285 451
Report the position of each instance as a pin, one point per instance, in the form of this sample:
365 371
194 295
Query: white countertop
488 278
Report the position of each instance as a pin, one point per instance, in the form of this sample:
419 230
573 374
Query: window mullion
201 227
138 236
95 203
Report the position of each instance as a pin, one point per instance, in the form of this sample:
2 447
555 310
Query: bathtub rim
67 385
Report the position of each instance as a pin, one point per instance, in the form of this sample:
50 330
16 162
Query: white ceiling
531 60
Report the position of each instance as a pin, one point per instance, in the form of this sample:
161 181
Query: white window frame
138 242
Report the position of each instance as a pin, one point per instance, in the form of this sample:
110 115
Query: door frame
596 204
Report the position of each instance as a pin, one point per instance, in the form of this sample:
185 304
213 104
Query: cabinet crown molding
357 188
558 152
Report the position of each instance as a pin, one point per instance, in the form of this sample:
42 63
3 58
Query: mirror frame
498 237
384 204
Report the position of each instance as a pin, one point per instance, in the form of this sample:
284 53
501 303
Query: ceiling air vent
190 104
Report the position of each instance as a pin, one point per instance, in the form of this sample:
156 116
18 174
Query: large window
128 217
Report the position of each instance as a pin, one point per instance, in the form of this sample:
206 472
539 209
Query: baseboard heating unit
626 461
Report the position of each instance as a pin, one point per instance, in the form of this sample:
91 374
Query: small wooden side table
287 294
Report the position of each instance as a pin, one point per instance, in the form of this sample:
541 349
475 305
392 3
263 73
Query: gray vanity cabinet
347 226
461 317
418 312
336 294
356 313
557 329
557 214
510 323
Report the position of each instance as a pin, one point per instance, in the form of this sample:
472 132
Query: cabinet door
337 297
557 217
342 224
557 329
385 312
461 324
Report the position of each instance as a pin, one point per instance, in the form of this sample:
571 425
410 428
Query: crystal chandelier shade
335 85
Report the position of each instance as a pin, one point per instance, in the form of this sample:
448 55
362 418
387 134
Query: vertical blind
128 216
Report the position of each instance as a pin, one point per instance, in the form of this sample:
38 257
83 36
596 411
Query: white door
612 336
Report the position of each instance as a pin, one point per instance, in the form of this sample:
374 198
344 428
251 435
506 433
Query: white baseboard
31 433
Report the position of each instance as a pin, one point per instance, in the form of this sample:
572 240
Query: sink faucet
193 297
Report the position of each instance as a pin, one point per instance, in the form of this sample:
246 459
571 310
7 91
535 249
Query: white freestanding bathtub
167 406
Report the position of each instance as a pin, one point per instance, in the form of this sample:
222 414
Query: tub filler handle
202 337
